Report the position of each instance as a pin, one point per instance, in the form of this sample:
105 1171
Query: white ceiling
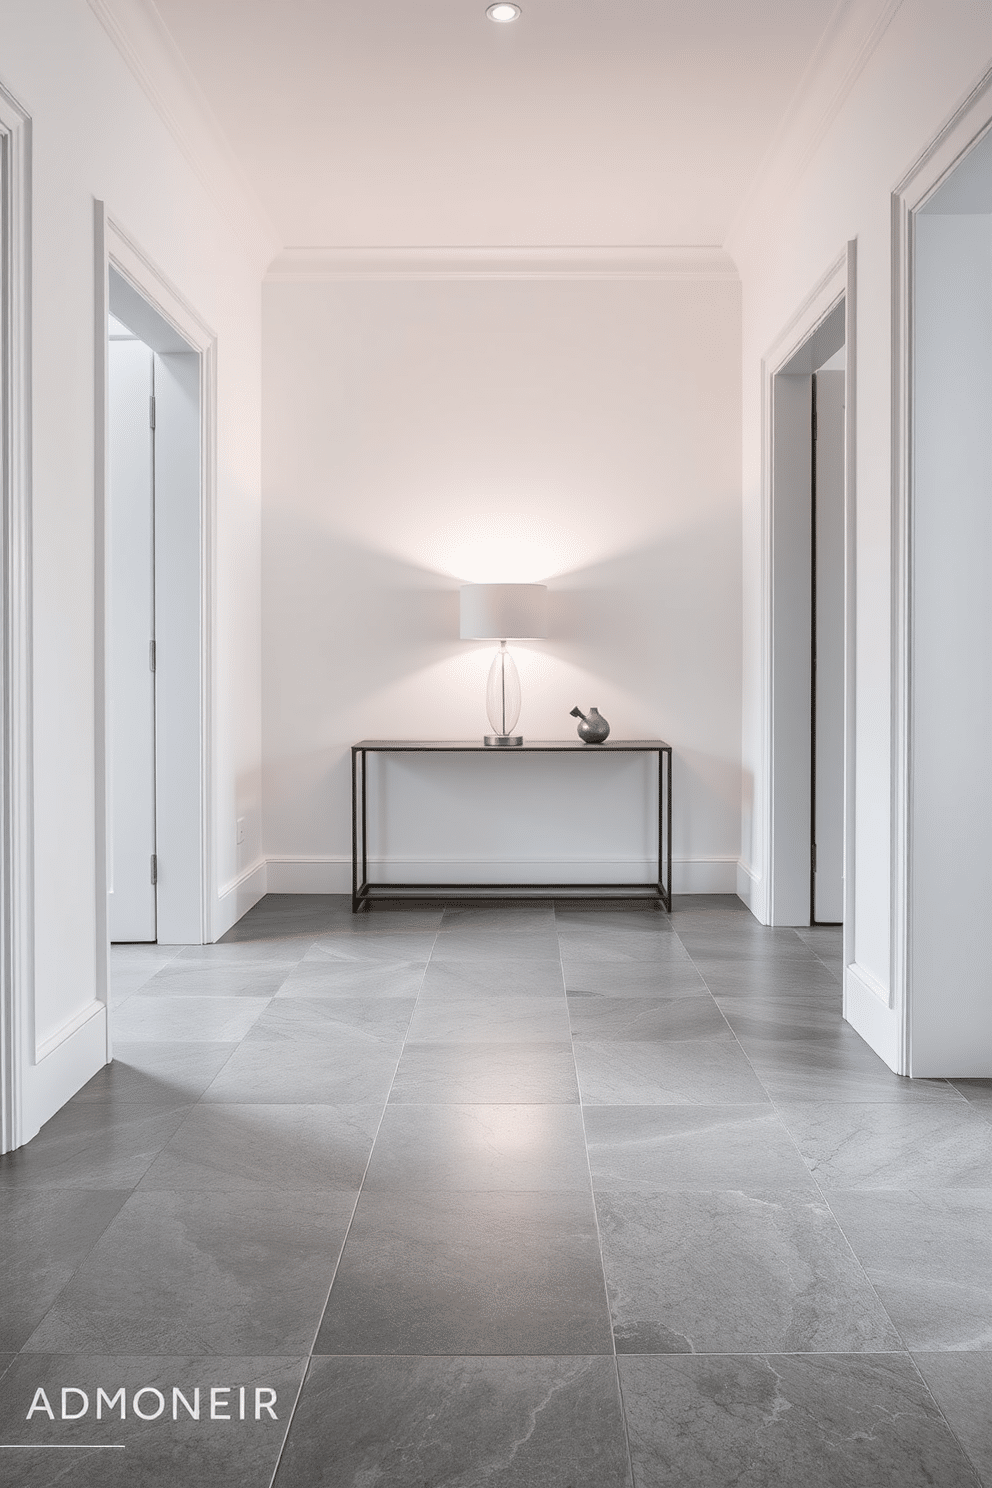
420 122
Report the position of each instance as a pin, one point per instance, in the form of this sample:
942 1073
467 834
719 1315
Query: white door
131 640
828 652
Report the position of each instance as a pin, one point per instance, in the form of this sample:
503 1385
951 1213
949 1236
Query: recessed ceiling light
503 12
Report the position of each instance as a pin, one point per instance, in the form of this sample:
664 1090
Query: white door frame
969 123
838 284
17 1032
115 247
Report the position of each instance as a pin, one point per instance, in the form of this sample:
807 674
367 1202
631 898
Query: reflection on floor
564 1196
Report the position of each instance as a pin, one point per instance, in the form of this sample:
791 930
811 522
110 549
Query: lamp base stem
503 741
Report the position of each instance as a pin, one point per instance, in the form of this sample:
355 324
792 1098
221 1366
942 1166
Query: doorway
154 617
827 642
809 640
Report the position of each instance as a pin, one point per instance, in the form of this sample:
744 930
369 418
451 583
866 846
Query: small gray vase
593 727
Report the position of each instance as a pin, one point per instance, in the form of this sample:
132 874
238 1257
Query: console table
364 893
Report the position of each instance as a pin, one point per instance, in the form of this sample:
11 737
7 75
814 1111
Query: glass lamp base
503 741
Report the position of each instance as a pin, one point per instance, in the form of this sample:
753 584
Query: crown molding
851 38
158 66
296 265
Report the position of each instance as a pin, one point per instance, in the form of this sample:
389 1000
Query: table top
532 746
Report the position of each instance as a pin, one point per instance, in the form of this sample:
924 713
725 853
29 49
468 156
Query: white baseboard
236 898
332 875
65 1062
750 888
866 1008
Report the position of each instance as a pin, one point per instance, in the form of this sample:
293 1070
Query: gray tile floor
525 1197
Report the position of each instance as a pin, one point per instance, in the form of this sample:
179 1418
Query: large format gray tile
384 1020
498 946
202 1273
289 917
929 1257
353 978
385 919
156 1020
257 954
839 1068
131 966
458 980
353 1070
827 945
480 1147
723 1273
961 1384
632 978
496 1073
806 978
740 939
646 1149
639 919
451 1422
45 1235
498 917
519 1273
215 979
86 1145
165 1074
977 1093
692 1072
413 947
632 1019
785 1421
907 1145
157 1453
233 1147
622 947
326 914
520 1020
781 1020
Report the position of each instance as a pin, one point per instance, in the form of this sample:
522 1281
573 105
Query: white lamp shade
500 612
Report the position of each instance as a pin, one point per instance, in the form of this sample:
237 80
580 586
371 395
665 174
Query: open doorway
154 616
808 630
827 642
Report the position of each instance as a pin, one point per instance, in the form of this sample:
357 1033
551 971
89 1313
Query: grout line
309 1356
775 1106
595 1213
940 1411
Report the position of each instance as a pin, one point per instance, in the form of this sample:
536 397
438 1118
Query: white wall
421 433
833 183
951 1020
96 135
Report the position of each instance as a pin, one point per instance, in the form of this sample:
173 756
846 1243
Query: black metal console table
364 893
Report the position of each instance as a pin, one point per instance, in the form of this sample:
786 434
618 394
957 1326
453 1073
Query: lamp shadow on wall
360 642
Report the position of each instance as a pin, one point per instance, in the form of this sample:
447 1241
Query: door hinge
813 856
151 411
151 656
154 868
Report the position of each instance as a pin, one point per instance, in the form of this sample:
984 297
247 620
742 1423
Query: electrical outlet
241 829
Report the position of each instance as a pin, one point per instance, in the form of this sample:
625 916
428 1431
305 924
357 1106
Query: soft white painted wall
951 1008
419 434
130 629
863 133
95 135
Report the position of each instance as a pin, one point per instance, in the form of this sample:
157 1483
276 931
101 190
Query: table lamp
503 612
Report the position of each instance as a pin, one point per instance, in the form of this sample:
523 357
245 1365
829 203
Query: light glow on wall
519 549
